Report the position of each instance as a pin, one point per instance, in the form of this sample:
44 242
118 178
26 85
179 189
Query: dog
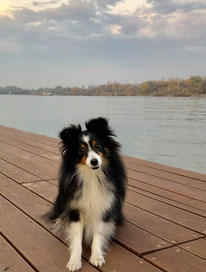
91 193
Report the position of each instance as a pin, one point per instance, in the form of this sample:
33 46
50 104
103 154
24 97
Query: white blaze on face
92 155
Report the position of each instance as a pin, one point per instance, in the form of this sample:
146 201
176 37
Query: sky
47 43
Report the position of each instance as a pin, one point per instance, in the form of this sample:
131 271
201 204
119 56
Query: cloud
188 27
92 19
116 29
83 37
129 7
42 4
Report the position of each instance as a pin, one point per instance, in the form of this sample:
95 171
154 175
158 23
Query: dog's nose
94 162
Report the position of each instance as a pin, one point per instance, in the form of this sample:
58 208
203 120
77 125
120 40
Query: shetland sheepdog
88 206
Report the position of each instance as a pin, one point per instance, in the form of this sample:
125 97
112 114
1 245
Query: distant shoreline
194 86
138 95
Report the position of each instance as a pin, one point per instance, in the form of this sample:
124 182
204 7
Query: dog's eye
97 146
81 150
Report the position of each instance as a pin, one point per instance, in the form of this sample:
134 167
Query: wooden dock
165 213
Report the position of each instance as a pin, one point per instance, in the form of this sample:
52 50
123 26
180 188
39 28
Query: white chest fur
96 198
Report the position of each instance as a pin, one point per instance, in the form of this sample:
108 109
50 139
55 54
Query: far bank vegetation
193 86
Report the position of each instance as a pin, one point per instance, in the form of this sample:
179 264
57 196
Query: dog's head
91 147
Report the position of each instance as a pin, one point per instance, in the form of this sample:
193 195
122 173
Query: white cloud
128 7
189 1
7 6
83 35
116 29
35 24
177 25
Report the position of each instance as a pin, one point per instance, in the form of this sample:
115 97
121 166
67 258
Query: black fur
70 188
73 215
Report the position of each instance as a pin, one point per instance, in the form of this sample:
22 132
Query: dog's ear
100 126
69 134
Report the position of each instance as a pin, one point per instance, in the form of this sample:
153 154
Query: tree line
193 86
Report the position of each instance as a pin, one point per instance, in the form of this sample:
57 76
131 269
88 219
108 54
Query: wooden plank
30 203
197 247
177 178
176 260
152 165
54 141
36 165
124 262
153 189
128 235
30 148
190 191
39 247
10 260
166 168
125 236
156 218
138 240
165 196
35 206
50 196
32 142
174 214
30 135
158 226
53 181
183 202
16 173
46 190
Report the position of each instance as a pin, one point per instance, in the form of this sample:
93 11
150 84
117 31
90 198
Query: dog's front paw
74 265
97 260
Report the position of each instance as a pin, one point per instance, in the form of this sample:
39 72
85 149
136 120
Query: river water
167 130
